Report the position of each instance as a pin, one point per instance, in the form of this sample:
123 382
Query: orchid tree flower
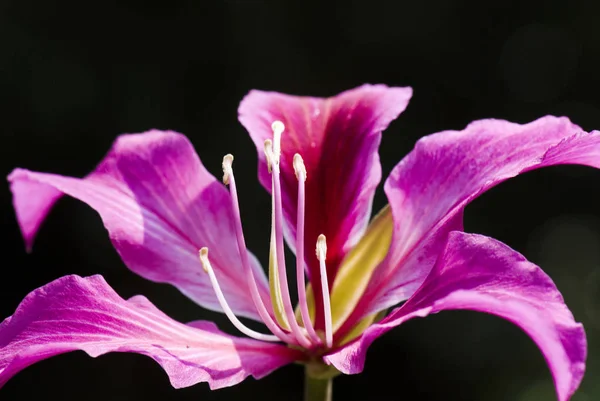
173 222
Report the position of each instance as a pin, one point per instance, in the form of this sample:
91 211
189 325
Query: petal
338 139
160 206
74 313
430 188
358 267
478 273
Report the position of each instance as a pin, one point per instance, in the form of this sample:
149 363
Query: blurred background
74 75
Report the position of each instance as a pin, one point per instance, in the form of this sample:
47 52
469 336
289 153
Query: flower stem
317 389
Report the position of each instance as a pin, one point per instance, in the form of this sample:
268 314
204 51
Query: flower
318 158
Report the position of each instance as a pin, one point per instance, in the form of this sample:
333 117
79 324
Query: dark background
74 75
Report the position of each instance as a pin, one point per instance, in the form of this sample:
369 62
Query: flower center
282 323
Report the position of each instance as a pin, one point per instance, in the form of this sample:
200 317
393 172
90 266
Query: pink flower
318 159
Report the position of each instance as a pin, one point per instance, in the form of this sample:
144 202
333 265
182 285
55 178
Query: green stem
317 389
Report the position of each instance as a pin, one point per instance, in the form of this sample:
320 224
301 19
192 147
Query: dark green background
75 74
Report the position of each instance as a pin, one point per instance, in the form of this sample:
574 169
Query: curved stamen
236 322
300 171
321 255
278 224
229 179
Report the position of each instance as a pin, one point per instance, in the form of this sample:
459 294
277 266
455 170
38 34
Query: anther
321 247
269 154
227 162
322 255
299 167
204 259
278 129
225 306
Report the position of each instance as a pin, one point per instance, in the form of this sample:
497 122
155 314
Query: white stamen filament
229 178
278 224
306 336
321 255
225 306
300 171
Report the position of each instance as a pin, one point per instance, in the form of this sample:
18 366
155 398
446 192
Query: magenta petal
338 138
74 313
160 206
431 186
478 273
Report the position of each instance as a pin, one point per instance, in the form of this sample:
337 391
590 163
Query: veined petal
160 206
338 139
74 313
429 189
478 273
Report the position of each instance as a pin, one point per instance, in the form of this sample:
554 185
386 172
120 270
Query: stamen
236 322
300 171
278 224
321 255
229 178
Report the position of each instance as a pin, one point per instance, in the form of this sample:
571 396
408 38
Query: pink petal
478 273
429 189
338 138
74 313
160 206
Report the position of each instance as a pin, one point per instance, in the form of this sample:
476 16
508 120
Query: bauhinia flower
173 222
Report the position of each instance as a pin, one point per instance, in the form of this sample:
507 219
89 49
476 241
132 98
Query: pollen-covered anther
278 129
227 166
321 247
204 259
269 154
299 167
